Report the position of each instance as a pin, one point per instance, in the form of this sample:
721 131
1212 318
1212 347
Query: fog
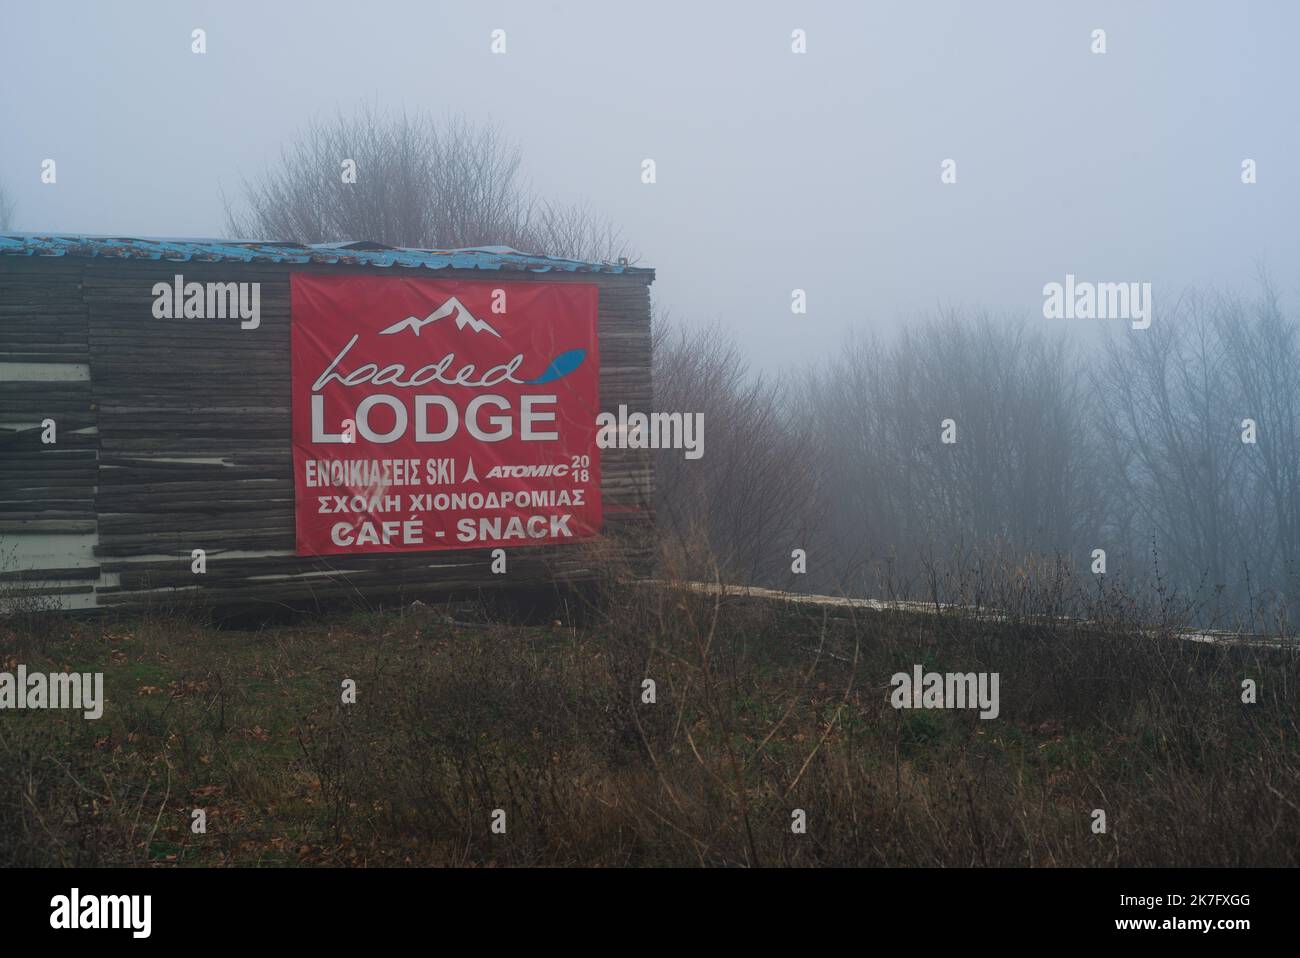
775 170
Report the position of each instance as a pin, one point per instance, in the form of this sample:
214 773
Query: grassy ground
758 711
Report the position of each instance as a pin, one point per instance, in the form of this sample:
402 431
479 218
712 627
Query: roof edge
347 252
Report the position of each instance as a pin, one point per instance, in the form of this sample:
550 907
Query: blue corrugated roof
256 251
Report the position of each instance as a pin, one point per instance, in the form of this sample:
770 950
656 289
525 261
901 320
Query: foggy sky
775 170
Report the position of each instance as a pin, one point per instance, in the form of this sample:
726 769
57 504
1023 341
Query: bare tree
1141 449
1018 481
1169 402
751 499
1262 348
419 182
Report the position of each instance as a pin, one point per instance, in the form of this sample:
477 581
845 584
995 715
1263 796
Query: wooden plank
164 390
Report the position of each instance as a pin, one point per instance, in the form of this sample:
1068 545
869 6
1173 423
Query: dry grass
761 709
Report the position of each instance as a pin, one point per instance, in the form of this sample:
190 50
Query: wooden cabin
173 434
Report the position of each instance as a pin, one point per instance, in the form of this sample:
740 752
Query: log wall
175 435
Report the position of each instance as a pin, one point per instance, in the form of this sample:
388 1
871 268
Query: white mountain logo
463 318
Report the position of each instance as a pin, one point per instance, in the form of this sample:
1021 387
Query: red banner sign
443 414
